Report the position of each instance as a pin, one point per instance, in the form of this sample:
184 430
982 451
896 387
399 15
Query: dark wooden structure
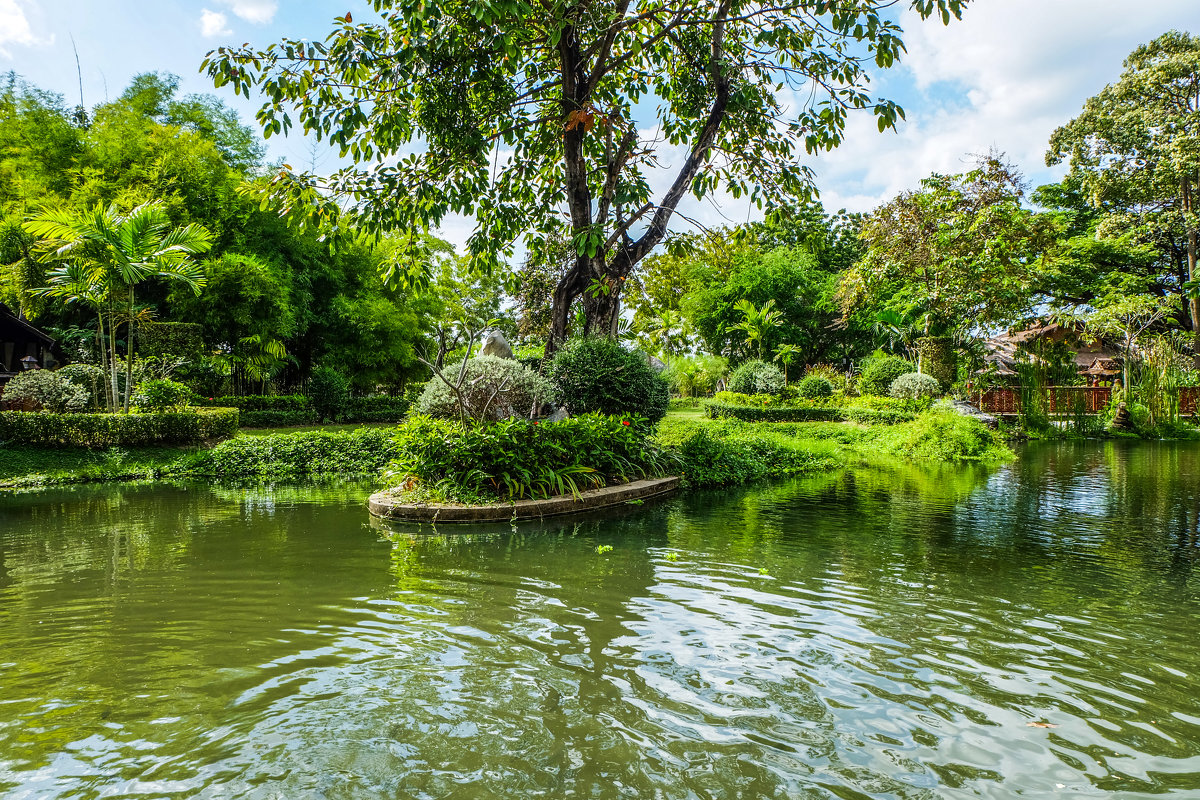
1063 400
18 340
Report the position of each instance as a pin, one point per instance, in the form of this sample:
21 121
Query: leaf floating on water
1040 725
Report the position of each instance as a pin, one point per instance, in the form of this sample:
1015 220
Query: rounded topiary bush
878 374
913 385
597 374
492 389
160 395
41 389
756 377
814 387
329 393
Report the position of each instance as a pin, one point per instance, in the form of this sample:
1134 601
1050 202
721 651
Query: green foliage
159 395
695 376
812 387
462 81
957 252
111 430
878 374
296 455
45 390
756 377
516 458
1133 150
808 413
912 385
597 374
491 389
377 408
90 378
732 453
329 393
178 339
941 436
836 377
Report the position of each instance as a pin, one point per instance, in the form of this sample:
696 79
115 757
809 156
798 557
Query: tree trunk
129 354
1189 223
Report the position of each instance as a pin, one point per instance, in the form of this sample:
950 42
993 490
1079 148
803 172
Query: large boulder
494 344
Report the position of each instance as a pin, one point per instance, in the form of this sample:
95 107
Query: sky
1003 78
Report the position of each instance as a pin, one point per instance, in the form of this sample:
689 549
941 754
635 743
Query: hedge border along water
865 416
109 430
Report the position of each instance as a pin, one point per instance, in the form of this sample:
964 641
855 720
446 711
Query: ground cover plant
514 459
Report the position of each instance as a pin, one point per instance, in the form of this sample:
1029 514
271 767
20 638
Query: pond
884 633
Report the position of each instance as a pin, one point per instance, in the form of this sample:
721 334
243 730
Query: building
19 342
1095 360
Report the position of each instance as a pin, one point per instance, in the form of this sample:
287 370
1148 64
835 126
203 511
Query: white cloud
213 23
1005 77
259 12
14 28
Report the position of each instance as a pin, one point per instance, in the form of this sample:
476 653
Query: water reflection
898 633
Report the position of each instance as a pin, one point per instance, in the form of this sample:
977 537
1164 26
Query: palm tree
757 323
72 284
785 354
116 252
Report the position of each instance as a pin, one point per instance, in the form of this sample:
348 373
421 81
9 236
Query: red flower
535 422
624 422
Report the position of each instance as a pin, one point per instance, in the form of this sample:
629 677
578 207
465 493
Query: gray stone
494 344
968 409
559 416
654 363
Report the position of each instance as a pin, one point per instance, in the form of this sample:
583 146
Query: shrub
756 377
277 419
598 375
161 394
835 376
328 392
46 390
110 430
812 387
517 458
90 378
879 373
296 455
912 385
493 389
376 408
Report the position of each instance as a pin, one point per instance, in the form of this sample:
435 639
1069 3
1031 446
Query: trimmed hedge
379 408
866 416
296 455
109 430
279 411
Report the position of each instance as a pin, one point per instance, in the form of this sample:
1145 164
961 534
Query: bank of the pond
706 452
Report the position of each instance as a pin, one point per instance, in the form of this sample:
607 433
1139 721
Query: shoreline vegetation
705 452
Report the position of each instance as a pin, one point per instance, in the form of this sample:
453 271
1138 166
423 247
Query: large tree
517 113
1137 143
957 252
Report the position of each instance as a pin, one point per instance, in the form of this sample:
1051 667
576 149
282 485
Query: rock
970 410
1122 420
560 415
494 344
654 363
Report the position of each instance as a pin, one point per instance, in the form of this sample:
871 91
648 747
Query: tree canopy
520 114
1136 147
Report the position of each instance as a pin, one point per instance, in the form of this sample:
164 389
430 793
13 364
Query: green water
882 634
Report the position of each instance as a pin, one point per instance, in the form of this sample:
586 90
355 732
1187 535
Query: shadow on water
885 632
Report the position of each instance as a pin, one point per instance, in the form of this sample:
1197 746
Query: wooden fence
1064 400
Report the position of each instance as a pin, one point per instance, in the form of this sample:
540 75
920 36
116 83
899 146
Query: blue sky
1003 78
